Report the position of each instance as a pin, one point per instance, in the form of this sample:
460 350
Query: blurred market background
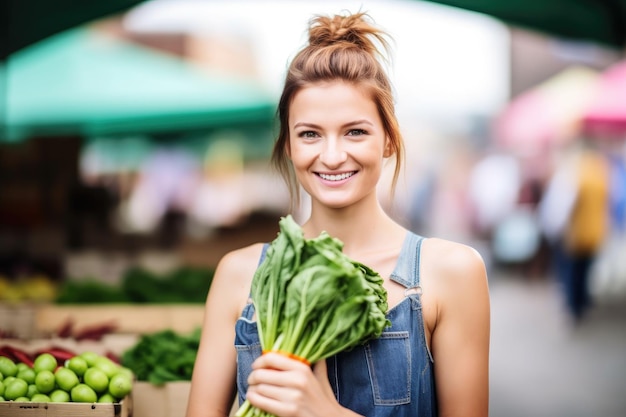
134 154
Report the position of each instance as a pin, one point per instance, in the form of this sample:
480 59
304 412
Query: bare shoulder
233 275
454 261
453 271
239 264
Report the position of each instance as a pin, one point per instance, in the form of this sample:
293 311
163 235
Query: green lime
45 381
22 399
120 386
128 372
90 357
2 398
65 378
59 396
8 380
21 366
32 390
83 393
96 379
107 366
107 398
27 375
1 388
7 367
77 364
40 398
45 362
1 376
17 388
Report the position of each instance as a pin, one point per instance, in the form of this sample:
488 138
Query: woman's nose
333 154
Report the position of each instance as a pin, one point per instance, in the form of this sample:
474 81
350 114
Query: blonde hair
347 48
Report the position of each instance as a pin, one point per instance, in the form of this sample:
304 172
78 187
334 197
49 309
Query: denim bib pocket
389 363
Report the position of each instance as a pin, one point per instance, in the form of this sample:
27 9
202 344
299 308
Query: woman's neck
361 229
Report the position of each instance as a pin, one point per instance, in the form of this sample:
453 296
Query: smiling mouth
336 177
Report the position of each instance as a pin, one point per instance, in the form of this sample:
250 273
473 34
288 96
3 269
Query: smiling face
337 143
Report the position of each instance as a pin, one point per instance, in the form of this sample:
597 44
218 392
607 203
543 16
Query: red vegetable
66 329
95 332
59 353
20 355
6 352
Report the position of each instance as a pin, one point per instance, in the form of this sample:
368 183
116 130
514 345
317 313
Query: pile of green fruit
87 378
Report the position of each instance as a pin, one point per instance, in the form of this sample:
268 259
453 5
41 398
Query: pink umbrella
548 115
606 115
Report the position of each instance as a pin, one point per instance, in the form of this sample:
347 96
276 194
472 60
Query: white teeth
338 177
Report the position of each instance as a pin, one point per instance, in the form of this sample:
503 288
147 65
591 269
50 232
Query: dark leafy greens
313 301
164 356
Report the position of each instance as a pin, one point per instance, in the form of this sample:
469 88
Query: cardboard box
167 400
24 409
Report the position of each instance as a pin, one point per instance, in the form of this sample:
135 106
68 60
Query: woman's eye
357 132
307 134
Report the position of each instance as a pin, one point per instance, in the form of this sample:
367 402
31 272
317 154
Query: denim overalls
389 376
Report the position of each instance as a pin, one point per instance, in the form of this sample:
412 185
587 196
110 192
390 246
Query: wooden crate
26 409
149 318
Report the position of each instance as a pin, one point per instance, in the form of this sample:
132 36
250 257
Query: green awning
25 22
600 21
82 82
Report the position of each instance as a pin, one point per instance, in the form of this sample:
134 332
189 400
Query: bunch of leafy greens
312 301
163 356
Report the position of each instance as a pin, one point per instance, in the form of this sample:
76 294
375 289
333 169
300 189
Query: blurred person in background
608 274
337 129
575 216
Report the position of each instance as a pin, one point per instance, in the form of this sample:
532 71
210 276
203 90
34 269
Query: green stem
243 409
279 341
305 352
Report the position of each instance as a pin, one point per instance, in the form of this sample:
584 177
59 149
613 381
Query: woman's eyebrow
305 124
358 122
352 123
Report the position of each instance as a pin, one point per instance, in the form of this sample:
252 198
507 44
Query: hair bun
353 29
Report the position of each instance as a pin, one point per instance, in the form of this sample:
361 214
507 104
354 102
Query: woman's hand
287 387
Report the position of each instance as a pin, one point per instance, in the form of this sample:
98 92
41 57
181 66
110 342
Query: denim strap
407 271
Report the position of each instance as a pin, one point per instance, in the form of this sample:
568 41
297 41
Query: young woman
337 130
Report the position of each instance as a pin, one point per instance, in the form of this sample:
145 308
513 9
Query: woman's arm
460 339
213 382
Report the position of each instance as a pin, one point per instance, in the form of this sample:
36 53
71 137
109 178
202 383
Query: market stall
605 115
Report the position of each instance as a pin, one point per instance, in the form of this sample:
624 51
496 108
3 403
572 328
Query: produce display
312 301
62 376
162 357
139 285
38 288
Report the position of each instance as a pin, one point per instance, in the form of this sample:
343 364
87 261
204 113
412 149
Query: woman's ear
287 148
388 151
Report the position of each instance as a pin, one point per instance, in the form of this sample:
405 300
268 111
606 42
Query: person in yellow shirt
587 227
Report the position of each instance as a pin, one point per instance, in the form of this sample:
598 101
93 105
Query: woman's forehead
338 103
